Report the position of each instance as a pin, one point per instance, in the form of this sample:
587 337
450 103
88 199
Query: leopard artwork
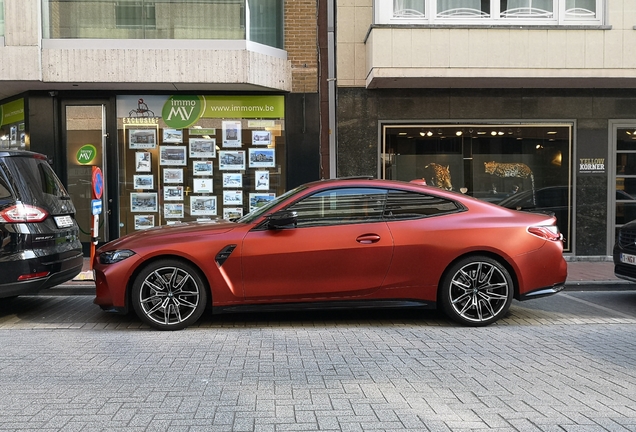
518 170
441 177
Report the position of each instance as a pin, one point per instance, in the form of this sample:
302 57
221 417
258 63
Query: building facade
526 102
191 109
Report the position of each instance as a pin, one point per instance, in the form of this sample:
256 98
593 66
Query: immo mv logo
181 112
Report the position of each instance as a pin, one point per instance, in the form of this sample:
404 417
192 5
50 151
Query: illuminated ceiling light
422 133
402 133
429 133
628 132
459 133
493 133
500 133
552 133
481 133
519 138
539 146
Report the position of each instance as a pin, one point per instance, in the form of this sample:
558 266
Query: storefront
165 159
567 152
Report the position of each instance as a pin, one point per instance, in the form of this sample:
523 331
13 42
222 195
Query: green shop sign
86 154
181 112
12 112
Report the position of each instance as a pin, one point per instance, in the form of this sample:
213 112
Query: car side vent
224 254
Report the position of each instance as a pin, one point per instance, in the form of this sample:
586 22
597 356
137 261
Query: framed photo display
202 205
261 180
173 211
142 138
144 221
202 185
143 201
172 136
232 133
261 137
202 168
173 175
232 180
262 158
172 155
232 160
173 193
143 181
202 148
143 162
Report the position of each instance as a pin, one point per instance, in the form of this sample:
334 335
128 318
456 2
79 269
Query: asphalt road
562 363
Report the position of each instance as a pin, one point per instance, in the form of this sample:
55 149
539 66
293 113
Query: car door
339 247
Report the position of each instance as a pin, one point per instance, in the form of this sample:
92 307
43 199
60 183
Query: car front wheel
169 295
477 291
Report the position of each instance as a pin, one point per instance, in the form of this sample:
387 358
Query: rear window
33 179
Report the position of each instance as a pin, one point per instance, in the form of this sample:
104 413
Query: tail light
547 232
21 213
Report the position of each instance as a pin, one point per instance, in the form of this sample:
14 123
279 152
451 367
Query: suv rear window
33 181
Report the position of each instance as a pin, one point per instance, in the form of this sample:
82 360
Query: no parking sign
98 182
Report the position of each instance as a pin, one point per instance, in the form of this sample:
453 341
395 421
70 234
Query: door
84 134
340 247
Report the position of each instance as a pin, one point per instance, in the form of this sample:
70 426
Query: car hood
163 234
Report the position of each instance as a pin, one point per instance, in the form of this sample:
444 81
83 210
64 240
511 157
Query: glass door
623 181
85 134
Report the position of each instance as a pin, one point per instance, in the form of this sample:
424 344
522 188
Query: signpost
96 207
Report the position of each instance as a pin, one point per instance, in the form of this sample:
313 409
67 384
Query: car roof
23 153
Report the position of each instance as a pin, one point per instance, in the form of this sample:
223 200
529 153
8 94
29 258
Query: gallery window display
188 158
523 166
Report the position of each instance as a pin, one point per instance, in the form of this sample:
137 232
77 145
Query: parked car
624 254
39 237
354 243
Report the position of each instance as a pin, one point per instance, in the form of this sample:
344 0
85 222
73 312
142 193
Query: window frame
383 14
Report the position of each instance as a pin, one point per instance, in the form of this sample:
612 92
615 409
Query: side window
411 205
341 206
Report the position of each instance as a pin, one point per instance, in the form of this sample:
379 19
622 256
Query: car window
340 206
4 188
412 205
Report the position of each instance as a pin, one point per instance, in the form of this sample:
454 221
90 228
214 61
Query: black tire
169 295
476 291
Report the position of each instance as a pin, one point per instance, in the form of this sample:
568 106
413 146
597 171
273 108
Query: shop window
490 12
188 158
521 166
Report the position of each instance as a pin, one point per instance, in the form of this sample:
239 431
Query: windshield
264 208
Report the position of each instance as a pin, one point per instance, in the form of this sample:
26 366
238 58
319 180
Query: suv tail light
21 213
547 232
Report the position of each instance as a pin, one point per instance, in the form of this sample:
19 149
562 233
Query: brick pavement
561 363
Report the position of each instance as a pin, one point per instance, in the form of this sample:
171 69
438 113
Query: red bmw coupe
355 243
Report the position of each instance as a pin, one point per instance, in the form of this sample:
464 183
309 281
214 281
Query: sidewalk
583 273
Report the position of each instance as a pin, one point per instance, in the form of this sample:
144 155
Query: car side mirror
282 220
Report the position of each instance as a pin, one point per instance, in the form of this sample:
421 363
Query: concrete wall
367 54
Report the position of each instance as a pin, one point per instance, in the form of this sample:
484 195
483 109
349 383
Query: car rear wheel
169 295
477 291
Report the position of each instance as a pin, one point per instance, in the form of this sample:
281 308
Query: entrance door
622 188
85 132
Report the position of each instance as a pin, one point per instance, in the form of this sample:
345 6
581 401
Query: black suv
39 237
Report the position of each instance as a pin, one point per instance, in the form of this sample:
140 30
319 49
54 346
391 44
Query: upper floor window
1 18
490 12
253 20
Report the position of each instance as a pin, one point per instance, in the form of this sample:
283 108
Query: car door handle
368 238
